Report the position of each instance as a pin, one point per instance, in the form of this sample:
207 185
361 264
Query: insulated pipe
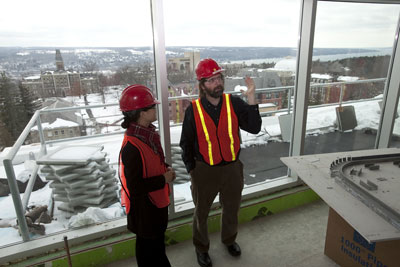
12 183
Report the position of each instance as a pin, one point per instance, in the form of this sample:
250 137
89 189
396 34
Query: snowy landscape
108 49
19 61
367 114
320 120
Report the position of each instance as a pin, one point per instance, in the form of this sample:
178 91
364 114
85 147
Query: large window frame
301 94
302 88
304 61
390 96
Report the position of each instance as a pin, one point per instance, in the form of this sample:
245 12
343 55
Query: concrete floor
291 238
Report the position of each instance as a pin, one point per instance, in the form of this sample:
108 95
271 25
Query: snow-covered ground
367 114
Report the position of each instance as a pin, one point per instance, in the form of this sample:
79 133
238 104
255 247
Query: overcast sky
116 23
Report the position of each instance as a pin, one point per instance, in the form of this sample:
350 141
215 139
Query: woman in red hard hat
144 176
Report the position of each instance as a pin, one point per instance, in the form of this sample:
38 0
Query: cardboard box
347 247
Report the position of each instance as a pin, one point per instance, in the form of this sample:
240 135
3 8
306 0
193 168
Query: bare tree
90 66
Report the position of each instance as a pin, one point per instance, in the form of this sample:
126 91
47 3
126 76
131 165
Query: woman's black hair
133 116
130 116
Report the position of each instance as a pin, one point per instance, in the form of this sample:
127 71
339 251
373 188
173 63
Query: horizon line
188 46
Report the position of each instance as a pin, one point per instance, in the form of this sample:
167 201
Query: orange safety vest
217 143
152 166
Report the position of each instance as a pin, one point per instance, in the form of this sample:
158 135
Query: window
347 65
120 45
354 72
249 46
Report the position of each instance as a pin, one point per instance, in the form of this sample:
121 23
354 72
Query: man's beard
216 92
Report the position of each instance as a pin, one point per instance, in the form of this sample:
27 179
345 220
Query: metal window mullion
289 100
391 96
303 69
160 64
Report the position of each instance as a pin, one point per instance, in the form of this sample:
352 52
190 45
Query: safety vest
152 166
221 142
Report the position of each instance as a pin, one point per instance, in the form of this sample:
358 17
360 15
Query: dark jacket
144 218
249 120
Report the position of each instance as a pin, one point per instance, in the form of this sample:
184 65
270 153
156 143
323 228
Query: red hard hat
135 97
207 68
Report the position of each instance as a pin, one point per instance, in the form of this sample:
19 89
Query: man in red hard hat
144 176
210 142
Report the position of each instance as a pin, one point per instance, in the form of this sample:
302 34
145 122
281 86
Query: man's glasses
215 79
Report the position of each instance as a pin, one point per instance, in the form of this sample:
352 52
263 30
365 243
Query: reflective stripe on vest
217 143
199 109
151 167
228 108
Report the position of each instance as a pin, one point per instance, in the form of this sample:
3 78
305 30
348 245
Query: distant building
59 61
321 94
263 78
61 83
58 125
286 64
178 107
232 69
89 83
186 64
356 91
331 93
36 85
286 70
